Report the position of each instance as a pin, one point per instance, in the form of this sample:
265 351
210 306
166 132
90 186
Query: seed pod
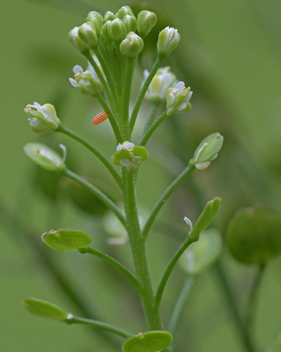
66 240
150 341
43 308
102 116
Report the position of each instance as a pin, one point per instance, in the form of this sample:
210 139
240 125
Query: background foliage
230 55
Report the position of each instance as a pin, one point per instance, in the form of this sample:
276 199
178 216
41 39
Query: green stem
169 269
94 150
128 85
233 307
152 128
144 88
113 262
251 305
139 254
153 107
164 197
98 193
111 118
188 285
99 325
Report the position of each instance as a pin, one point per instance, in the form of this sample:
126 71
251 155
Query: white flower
42 118
125 146
177 99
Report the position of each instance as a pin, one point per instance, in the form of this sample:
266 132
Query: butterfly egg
102 116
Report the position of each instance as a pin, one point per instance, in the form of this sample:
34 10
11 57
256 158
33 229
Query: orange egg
102 116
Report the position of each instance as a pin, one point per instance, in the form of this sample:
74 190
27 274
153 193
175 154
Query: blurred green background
230 54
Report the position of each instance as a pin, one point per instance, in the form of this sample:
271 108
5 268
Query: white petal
202 166
129 146
179 85
125 162
76 69
119 147
172 98
188 221
181 106
73 82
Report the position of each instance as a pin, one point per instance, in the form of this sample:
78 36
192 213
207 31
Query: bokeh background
230 54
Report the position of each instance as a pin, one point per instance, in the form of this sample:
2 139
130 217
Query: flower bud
105 31
117 30
129 155
88 35
168 40
42 118
76 41
66 240
124 11
132 45
146 21
207 150
96 20
178 99
163 79
43 308
87 81
254 235
201 255
130 23
45 157
150 341
109 16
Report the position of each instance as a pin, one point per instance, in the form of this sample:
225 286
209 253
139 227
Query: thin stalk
108 94
94 150
153 107
164 197
111 118
152 128
99 325
169 269
251 305
139 254
98 193
113 262
144 88
187 287
233 307
128 85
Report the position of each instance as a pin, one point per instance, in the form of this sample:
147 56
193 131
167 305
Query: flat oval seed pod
102 116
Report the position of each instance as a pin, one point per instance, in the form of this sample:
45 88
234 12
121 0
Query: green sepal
139 153
205 217
151 341
201 255
130 23
254 235
43 308
124 11
146 21
109 16
66 240
208 148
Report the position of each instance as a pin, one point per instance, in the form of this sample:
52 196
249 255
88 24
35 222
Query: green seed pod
43 308
254 235
124 11
76 41
151 341
109 16
205 218
168 40
45 157
146 21
207 150
66 240
88 35
130 23
201 255
96 20
117 30
131 46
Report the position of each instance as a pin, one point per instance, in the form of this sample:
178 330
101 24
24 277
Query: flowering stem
99 325
187 287
143 90
113 262
111 118
139 253
152 128
128 85
164 197
153 107
169 269
94 150
98 193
